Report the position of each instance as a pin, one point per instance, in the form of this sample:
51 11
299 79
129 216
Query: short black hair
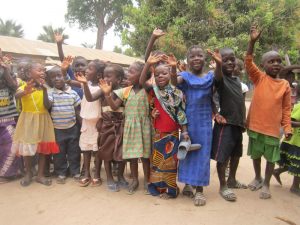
118 70
139 65
100 66
226 50
191 48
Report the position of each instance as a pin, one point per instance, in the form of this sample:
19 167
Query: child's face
195 60
228 62
110 76
57 79
125 82
133 74
162 75
37 72
91 72
80 65
272 63
20 70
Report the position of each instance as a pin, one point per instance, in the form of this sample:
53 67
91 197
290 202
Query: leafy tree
117 49
99 14
214 24
10 28
49 31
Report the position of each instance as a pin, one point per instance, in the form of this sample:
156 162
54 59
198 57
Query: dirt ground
70 204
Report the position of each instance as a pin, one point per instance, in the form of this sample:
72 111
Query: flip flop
188 191
44 181
265 193
133 187
199 199
24 182
84 182
237 185
256 185
96 182
123 183
113 187
228 194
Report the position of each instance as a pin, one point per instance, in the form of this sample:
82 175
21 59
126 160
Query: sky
33 14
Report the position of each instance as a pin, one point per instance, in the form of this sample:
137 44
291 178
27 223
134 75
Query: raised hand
105 87
58 38
158 33
80 78
154 58
215 55
172 61
66 64
255 33
181 66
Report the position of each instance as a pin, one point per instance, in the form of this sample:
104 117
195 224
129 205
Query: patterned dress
137 130
10 163
195 169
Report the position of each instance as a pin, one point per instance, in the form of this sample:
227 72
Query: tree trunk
100 33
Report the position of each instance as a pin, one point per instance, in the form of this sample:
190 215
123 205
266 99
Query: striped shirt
63 107
7 104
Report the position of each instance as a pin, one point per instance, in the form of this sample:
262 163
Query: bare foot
265 193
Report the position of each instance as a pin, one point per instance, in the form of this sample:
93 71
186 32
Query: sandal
256 185
96 182
265 193
43 180
25 182
113 187
123 183
236 185
188 191
227 194
133 187
84 182
199 199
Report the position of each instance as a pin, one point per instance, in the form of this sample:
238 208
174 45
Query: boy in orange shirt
270 109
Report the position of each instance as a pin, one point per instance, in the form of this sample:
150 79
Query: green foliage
99 14
10 28
214 24
117 49
49 31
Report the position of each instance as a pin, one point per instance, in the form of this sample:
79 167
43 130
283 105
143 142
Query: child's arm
287 69
172 61
157 33
295 124
143 78
77 113
253 72
46 101
107 89
28 89
87 93
218 59
286 112
59 40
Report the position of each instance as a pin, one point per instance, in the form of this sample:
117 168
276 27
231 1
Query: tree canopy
99 14
49 31
214 24
11 28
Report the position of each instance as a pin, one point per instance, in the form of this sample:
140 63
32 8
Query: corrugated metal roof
40 48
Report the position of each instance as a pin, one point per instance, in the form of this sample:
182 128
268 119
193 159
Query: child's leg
295 186
199 198
73 152
41 170
221 167
87 162
121 179
231 181
257 183
98 164
111 184
135 180
146 169
278 171
265 192
28 175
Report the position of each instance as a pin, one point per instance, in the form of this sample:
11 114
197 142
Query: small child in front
270 109
64 104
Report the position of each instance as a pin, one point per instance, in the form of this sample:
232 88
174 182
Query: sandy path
71 204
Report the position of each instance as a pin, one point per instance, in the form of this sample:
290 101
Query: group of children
99 110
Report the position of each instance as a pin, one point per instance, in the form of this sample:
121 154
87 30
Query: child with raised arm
137 130
110 126
228 134
197 85
270 109
168 117
34 131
